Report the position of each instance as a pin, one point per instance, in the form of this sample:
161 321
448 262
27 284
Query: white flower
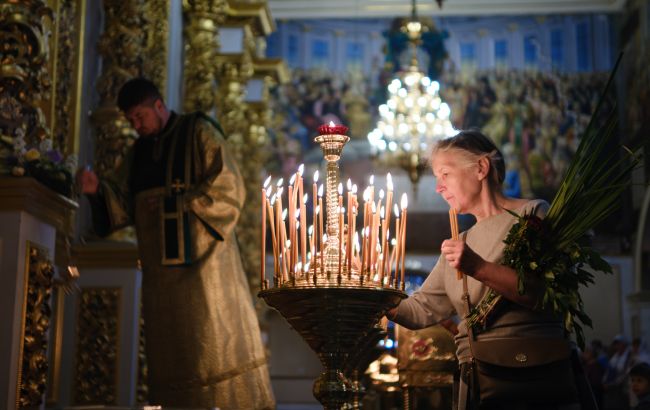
19 141
45 145
71 163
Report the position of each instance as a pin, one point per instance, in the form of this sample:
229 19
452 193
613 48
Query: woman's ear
483 168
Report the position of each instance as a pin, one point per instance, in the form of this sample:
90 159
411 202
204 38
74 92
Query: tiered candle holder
335 294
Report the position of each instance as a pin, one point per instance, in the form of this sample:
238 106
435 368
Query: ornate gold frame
38 263
66 72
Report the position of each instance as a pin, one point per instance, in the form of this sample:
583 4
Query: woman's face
457 179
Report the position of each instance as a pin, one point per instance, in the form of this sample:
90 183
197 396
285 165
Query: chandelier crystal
413 117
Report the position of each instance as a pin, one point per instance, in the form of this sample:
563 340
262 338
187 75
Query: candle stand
335 300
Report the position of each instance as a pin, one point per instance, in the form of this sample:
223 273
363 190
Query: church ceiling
285 9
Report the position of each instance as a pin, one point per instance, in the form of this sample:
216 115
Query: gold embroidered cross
177 185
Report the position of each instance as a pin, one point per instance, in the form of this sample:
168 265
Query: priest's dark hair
137 91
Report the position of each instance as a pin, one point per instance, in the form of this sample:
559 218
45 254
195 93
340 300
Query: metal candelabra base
334 321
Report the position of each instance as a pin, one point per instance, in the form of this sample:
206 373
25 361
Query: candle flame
372 180
324 237
366 194
301 169
310 230
354 189
279 191
389 182
273 200
308 263
381 213
320 190
315 176
268 191
297 225
297 213
305 198
374 207
349 185
287 244
404 201
298 266
354 210
342 209
293 179
318 209
284 214
340 189
393 241
280 182
381 194
267 181
396 210
332 124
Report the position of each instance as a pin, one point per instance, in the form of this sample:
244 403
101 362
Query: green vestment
203 342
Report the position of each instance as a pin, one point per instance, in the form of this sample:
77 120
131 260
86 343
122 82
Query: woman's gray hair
477 144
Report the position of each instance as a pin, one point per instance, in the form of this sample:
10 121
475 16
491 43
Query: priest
182 190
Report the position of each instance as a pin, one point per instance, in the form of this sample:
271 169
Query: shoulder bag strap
468 307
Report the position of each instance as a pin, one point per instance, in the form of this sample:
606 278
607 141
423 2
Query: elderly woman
469 171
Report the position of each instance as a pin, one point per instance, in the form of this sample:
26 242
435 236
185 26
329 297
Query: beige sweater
441 293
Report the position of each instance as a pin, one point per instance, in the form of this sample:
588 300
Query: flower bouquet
44 163
554 251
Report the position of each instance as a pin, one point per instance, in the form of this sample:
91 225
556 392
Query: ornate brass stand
333 321
335 305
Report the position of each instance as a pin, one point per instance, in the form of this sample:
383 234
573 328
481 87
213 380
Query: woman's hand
461 257
501 278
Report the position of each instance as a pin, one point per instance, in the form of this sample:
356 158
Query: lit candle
279 224
373 237
389 204
320 217
397 239
292 216
332 129
366 222
341 213
303 229
263 258
294 250
316 234
314 199
283 241
269 204
404 203
310 233
348 241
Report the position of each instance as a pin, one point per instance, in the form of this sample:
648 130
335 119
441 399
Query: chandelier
413 117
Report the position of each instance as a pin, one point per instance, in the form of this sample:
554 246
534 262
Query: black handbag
527 370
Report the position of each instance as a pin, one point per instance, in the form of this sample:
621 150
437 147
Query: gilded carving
37 313
156 15
96 357
65 79
142 389
121 48
24 81
202 19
